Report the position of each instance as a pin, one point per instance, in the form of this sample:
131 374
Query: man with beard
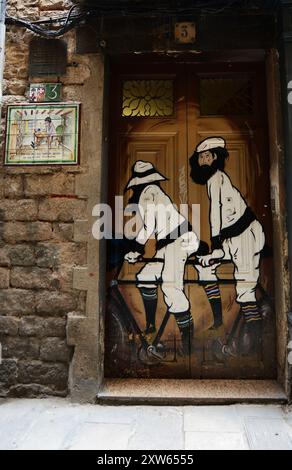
236 234
175 242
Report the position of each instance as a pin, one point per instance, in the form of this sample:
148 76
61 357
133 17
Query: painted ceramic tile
42 134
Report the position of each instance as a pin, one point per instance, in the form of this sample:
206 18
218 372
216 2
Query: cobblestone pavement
59 424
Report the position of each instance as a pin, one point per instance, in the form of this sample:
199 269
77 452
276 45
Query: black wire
70 22
121 8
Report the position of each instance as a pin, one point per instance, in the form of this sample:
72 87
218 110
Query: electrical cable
114 8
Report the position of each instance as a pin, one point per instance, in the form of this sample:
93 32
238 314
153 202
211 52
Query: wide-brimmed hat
210 144
143 173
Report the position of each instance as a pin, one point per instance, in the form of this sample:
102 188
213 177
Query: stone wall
40 247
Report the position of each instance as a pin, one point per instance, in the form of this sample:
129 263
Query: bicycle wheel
118 342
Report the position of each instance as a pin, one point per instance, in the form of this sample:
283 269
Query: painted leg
245 251
250 338
213 293
185 324
149 296
151 272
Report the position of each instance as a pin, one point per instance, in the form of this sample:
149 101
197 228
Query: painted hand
208 260
132 257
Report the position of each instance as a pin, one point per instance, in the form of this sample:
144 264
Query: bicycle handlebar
190 261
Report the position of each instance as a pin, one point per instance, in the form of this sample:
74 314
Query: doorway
159 113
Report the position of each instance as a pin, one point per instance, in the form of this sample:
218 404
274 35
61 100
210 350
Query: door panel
160 112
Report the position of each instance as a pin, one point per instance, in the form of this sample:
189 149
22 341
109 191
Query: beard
201 174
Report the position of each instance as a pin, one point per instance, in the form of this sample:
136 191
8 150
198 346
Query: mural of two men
236 235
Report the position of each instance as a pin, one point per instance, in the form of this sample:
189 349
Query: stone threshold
189 392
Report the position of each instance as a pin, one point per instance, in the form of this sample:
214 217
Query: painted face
206 158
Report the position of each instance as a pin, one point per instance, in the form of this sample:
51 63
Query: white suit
175 243
242 235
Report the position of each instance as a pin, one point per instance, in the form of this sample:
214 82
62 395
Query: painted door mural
190 285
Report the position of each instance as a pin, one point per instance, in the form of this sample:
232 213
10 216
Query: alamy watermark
141 223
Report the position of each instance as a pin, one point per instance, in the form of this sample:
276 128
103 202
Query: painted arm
214 193
147 209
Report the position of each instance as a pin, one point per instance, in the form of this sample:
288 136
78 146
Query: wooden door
159 113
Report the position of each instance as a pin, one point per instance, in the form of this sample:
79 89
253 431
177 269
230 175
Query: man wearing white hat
236 234
175 242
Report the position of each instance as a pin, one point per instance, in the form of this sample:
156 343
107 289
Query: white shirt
158 213
227 204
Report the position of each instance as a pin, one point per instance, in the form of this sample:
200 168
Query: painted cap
211 143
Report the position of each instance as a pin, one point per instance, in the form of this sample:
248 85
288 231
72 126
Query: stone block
76 75
22 255
9 326
4 255
44 185
54 5
58 255
43 373
23 209
16 302
31 278
61 209
15 232
55 303
81 230
4 278
8 371
14 347
47 255
35 391
62 279
42 327
63 232
15 86
13 186
54 350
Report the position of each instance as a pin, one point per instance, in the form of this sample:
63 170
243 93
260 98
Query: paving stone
212 419
96 436
16 420
267 434
52 428
160 428
110 414
215 441
270 411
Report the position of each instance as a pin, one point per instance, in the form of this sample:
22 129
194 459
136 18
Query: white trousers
244 251
171 271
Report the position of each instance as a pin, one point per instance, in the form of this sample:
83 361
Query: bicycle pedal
152 351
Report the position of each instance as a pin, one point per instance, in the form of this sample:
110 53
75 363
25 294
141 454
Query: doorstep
189 392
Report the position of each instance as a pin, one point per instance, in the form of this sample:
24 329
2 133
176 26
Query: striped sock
185 324
213 293
184 320
250 312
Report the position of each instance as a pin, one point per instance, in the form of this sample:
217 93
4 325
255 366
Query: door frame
87 382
